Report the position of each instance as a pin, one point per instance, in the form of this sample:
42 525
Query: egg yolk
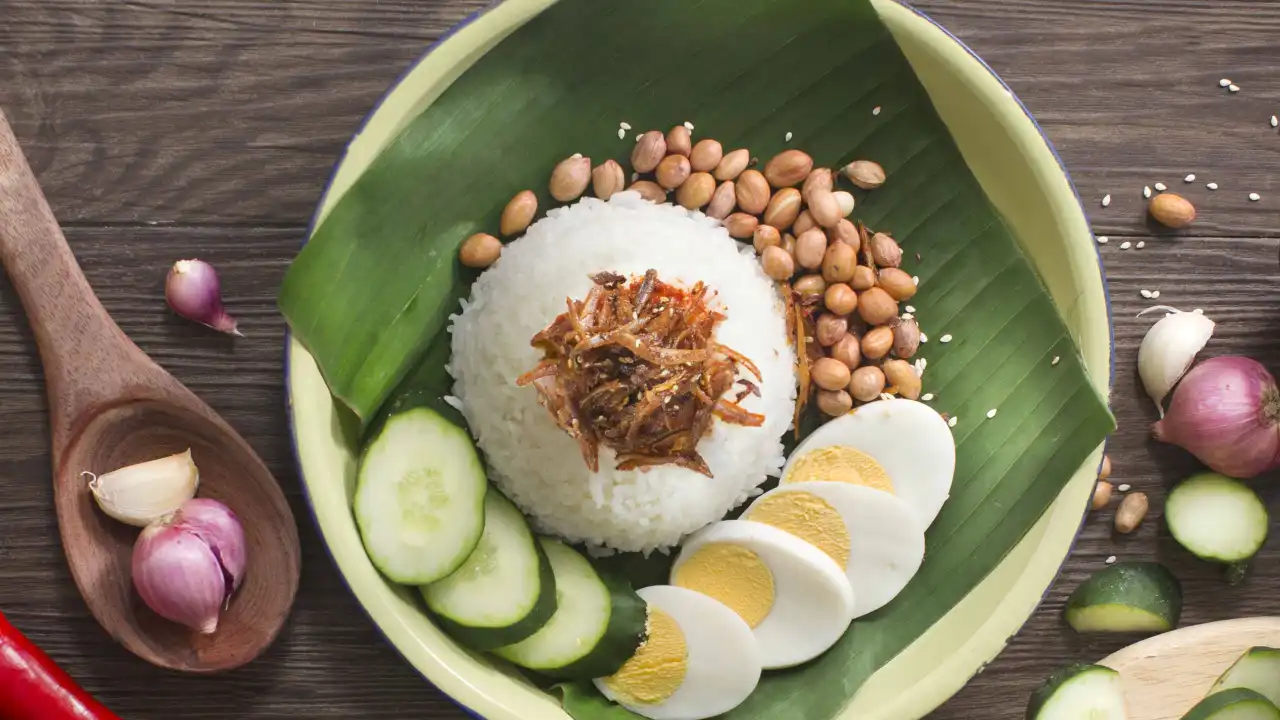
809 518
732 574
840 464
658 668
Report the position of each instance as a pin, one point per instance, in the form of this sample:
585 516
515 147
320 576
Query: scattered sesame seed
886 396
1161 187
915 279
1198 311
1103 239
1056 360
1126 245
1212 186
921 364
926 397
1141 244
637 138
945 338
1275 121
1111 560
622 133
688 126
1224 82
1155 294
789 136
1234 88
991 413
1254 197
1190 178
1146 191
907 315
951 422
875 110
1145 293
1123 488
1106 200
911 308
624 125
924 338
576 156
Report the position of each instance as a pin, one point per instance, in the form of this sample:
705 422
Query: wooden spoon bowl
112 406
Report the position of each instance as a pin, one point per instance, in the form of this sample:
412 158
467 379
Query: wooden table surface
163 129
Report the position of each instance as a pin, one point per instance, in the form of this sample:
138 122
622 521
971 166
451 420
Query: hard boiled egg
873 535
796 599
900 446
698 659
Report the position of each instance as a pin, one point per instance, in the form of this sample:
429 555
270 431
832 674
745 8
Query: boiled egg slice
873 535
900 446
698 659
796 599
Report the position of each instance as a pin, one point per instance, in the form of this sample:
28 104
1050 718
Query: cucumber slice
504 591
1235 704
1257 670
1217 518
597 626
1079 692
420 497
1127 597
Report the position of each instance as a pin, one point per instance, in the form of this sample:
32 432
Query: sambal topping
635 367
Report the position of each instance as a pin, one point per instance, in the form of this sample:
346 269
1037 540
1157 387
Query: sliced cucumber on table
1217 518
1079 692
1127 597
1257 670
597 626
420 497
505 591
1237 704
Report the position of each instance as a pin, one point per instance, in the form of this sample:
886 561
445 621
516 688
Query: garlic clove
140 494
1169 349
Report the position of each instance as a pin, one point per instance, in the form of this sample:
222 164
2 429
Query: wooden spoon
112 406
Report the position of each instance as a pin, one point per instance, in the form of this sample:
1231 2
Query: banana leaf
373 288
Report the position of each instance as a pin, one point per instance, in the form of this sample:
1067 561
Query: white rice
537 464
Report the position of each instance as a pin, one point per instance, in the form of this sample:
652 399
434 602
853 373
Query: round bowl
1023 178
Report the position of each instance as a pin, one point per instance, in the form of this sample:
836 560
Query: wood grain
163 130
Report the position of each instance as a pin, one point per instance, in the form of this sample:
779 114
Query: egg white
886 541
723 665
911 442
813 600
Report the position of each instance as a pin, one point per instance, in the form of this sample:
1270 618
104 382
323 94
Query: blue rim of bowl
288 335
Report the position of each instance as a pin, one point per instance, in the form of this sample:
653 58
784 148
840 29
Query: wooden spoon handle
87 358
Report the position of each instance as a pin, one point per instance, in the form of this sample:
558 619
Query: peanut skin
1132 511
1101 495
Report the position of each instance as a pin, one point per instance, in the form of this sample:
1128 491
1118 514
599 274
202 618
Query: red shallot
1226 412
193 291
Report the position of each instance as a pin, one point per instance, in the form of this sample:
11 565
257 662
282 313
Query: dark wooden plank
1127 90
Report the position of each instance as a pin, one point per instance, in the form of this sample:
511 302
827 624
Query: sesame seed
1103 239
1234 88
907 316
875 110
1155 294
1126 245
635 176
991 413
1141 244
637 138
921 364
1224 82
1123 488
622 133
1254 197
789 136
688 126
1056 360
886 396
945 338
1106 200
1275 121
576 156
951 422
1145 293
1212 186
911 308
1161 187
1146 191
926 397
915 279
624 125
1111 560
1190 178
1198 311
924 338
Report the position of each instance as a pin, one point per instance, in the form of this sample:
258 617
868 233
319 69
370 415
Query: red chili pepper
32 687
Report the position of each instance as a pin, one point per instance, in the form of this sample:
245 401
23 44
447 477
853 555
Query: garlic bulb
140 494
1169 349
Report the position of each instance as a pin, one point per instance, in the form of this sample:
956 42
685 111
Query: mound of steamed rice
537 464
